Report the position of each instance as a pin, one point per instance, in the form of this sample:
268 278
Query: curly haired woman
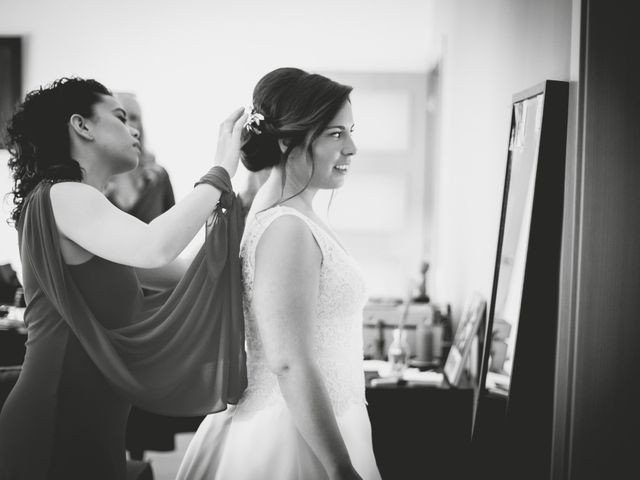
95 343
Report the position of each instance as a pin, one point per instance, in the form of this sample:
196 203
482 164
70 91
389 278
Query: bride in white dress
303 415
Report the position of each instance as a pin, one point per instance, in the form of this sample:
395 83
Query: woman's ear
80 126
283 144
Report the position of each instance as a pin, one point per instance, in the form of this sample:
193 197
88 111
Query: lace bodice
337 335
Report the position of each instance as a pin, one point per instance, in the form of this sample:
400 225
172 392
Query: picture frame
473 316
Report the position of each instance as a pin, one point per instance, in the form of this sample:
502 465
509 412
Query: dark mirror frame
519 427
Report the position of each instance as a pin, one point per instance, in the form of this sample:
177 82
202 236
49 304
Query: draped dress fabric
146 430
257 439
96 345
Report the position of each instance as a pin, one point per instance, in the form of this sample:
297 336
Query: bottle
16 313
18 298
398 353
438 335
379 341
424 341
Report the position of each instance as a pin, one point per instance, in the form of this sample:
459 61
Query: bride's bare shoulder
288 236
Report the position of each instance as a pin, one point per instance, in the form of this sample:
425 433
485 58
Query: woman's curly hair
37 135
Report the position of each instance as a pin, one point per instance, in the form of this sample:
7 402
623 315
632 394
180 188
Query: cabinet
421 432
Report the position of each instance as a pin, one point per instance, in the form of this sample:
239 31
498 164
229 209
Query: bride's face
333 150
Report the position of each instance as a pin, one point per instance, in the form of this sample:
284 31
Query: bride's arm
285 291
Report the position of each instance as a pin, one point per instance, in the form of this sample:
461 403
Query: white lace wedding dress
257 439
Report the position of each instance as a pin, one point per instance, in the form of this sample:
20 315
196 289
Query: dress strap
264 219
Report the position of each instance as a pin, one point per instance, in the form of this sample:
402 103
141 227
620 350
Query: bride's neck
272 191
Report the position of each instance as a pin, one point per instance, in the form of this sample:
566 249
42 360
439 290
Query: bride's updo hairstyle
297 106
37 135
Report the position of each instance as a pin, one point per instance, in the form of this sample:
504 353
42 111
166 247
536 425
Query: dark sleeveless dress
96 345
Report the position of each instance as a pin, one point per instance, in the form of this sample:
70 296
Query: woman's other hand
228 149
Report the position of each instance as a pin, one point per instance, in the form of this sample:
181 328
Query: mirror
515 404
519 186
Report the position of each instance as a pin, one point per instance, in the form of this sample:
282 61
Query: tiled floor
165 464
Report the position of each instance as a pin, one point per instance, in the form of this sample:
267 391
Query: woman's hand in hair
228 149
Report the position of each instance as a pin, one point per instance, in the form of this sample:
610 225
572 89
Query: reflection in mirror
521 171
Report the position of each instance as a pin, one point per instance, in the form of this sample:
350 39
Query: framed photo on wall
10 78
472 316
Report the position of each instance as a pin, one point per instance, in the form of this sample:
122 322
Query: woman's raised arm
84 215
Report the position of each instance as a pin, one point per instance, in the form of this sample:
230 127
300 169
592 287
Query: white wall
490 50
194 61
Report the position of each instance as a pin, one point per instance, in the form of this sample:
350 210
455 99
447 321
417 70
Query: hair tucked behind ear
296 106
37 135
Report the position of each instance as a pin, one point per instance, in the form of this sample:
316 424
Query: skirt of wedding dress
265 444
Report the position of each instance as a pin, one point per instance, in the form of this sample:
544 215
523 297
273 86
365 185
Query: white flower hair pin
253 121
